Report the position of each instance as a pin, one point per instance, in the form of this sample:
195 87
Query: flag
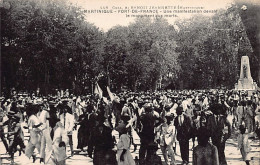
98 91
111 95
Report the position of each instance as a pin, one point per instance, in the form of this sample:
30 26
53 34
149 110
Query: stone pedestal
245 81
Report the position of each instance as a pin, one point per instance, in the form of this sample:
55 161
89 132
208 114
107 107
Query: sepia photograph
130 82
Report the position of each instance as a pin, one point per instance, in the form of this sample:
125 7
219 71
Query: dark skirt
83 137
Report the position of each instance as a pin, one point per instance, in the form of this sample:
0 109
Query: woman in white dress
124 156
57 138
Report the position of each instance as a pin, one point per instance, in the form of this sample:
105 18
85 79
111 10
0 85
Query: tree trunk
155 84
108 76
135 85
258 78
46 79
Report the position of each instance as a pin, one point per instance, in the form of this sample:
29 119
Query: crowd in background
159 119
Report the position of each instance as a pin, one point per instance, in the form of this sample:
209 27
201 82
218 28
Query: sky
105 21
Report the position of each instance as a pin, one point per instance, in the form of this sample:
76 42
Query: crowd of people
162 120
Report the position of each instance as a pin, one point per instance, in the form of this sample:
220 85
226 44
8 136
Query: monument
245 81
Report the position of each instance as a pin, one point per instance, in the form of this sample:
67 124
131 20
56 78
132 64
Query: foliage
56 45
50 44
211 48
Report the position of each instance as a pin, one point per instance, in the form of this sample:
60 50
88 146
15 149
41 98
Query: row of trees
49 44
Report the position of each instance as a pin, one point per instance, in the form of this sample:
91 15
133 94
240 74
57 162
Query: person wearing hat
93 122
69 125
243 143
35 132
56 138
83 131
124 156
250 116
15 135
233 105
166 133
43 115
146 134
241 112
183 125
216 124
103 142
128 115
195 123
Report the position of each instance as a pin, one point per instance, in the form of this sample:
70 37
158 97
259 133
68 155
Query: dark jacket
147 130
217 128
184 131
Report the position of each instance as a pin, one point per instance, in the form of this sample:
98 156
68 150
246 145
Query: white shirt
43 118
69 123
236 97
34 132
185 105
180 119
141 111
205 102
257 112
32 121
173 109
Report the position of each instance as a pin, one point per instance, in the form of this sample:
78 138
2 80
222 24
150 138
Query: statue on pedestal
245 81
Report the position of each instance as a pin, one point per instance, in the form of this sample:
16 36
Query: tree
116 50
152 52
211 48
46 34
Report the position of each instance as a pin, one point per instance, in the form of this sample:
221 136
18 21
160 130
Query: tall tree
45 35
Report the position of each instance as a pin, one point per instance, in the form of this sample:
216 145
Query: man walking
183 125
216 125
